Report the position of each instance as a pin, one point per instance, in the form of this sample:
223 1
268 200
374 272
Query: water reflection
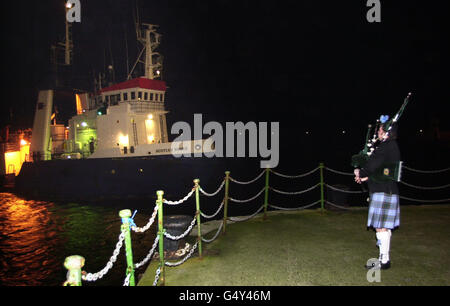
36 237
26 234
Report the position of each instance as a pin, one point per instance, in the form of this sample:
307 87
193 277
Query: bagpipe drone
387 171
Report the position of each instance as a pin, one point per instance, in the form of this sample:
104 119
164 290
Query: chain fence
250 199
295 192
402 182
188 251
215 192
92 277
425 187
247 182
150 253
216 213
186 232
179 201
215 235
294 176
343 190
426 171
295 208
147 226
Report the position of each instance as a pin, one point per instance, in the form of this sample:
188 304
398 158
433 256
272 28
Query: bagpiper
379 165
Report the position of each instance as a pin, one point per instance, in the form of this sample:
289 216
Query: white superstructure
40 147
127 119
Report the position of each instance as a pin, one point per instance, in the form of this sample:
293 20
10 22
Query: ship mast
68 44
152 68
150 41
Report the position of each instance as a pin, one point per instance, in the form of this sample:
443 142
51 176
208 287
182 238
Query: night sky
316 66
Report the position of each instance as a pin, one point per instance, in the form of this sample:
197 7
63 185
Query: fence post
225 199
321 186
266 193
74 264
198 214
162 264
125 228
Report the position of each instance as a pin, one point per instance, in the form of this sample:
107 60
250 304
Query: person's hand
357 178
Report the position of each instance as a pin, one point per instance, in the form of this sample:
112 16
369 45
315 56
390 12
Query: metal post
125 215
199 231
321 186
266 193
74 264
225 199
159 202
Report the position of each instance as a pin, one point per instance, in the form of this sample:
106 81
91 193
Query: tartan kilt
384 211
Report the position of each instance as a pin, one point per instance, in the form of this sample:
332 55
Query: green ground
319 248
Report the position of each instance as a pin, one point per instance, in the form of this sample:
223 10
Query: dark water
36 237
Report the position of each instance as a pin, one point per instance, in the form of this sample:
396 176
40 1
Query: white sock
385 242
378 234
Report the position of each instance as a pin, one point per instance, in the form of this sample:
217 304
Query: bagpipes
387 171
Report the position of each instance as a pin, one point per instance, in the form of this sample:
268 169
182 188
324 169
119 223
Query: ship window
106 99
162 97
113 99
145 96
139 95
156 97
118 97
151 96
125 96
133 95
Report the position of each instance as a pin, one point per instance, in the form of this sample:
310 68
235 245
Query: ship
117 145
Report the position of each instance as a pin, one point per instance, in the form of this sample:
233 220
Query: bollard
162 264
74 264
125 228
266 193
197 205
225 199
321 186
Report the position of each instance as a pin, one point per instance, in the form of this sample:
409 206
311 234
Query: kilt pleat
384 211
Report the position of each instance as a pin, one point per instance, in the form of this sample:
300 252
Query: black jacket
386 153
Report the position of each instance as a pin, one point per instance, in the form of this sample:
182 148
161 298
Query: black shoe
385 266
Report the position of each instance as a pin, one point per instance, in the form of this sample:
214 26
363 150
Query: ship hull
125 178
